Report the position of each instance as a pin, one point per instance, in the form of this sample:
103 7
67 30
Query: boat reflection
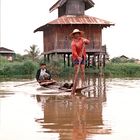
4 94
78 117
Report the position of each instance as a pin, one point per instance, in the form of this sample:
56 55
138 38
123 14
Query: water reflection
107 110
4 94
78 117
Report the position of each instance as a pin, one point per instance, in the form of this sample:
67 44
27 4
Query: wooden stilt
88 65
104 60
98 61
64 60
100 65
48 58
45 59
68 60
93 61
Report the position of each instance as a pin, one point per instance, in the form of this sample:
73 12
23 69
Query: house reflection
78 117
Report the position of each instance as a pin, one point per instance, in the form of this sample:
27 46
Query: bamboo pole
31 82
76 74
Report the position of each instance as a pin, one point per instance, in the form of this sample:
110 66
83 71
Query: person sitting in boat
43 74
44 78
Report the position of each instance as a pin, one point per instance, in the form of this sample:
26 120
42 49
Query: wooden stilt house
71 15
7 53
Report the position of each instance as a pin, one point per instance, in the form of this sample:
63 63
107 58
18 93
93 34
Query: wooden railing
65 47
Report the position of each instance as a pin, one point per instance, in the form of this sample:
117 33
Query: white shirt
43 72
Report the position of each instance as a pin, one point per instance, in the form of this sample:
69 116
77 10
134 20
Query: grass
123 69
17 69
27 69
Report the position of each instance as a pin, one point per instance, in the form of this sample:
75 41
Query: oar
31 82
76 74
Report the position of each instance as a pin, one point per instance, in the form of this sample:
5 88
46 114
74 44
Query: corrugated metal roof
5 50
1 52
72 19
58 4
88 4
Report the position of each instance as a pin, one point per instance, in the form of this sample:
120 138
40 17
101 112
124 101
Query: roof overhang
8 52
59 3
5 50
89 4
73 20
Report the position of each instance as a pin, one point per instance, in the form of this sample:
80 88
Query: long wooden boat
54 85
48 83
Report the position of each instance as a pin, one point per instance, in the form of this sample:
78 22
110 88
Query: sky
19 18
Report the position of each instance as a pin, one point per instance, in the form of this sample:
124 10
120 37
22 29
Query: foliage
92 70
21 58
66 71
3 60
122 60
27 68
18 68
33 52
54 67
123 69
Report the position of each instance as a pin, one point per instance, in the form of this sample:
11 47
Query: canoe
78 89
57 89
48 83
53 85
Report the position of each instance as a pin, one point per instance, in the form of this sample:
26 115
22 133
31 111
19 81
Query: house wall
62 10
75 7
8 56
57 37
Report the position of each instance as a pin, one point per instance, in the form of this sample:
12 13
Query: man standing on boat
43 75
79 52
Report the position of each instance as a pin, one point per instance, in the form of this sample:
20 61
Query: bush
55 67
123 69
3 60
122 60
17 68
28 69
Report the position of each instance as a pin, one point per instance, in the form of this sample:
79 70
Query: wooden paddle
31 82
76 74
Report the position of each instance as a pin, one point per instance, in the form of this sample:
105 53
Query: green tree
33 52
19 57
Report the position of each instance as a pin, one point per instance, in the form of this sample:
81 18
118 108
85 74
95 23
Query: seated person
43 75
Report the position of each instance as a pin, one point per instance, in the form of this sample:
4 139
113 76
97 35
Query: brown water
107 110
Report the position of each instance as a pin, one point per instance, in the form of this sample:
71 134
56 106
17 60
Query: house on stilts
7 53
71 15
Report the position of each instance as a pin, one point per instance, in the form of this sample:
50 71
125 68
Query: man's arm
37 75
86 41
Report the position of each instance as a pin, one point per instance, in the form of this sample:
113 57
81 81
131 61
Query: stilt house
71 15
7 53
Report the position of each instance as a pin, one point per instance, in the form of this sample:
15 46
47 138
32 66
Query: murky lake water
107 110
